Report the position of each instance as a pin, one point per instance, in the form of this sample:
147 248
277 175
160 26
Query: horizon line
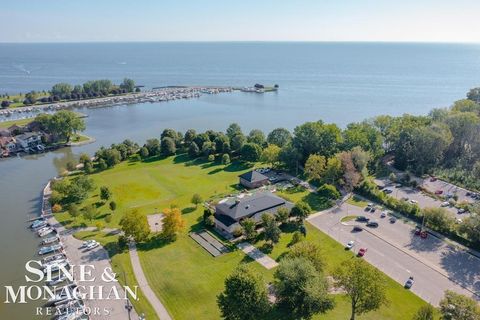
242 41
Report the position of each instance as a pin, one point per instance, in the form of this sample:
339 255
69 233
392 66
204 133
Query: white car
92 245
350 244
445 204
384 214
412 201
86 243
458 220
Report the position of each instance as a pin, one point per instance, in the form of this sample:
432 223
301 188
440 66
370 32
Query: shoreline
156 95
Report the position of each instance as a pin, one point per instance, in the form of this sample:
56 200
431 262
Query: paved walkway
159 308
257 255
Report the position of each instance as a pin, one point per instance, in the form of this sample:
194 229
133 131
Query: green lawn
357 201
184 276
21 122
299 193
121 266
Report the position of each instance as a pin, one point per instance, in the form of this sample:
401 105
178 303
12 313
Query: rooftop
253 176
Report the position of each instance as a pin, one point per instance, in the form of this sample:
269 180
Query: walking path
257 255
159 308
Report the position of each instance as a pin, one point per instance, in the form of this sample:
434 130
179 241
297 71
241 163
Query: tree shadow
188 210
215 171
182 158
316 202
238 166
419 244
462 267
155 242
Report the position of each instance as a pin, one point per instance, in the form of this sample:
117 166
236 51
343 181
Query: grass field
184 276
21 122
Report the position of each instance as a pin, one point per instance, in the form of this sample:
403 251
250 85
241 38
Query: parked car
362 219
383 214
372 224
445 204
350 244
91 245
398 185
458 220
461 210
373 209
387 191
413 201
357 228
362 252
423 234
418 230
438 192
433 179
393 219
409 283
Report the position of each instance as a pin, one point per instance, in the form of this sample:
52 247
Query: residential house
230 212
16 130
7 146
253 179
29 140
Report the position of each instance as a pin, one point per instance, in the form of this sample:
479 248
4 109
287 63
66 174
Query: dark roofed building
253 179
231 211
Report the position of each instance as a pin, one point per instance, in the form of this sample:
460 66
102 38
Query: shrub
135 157
237 232
108 218
99 225
209 221
226 159
56 208
113 205
297 237
329 191
122 242
211 158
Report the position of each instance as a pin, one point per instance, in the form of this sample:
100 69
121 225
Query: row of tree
61 125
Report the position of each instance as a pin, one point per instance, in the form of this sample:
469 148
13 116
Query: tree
365 136
233 130
63 124
271 154
225 159
245 296
474 95
316 137
301 290
271 230
89 213
128 84
143 152
256 136
426 312
112 205
251 152
438 219
73 211
196 199
315 166
5 104
61 89
279 137
333 169
153 146
310 251
168 147
189 136
193 150
135 225
301 210
364 285
105 193
237 142
455 306
102 165
282 215
329 191
208 148
351 177
248 228
173 223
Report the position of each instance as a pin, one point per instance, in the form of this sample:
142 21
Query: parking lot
423 200
397 251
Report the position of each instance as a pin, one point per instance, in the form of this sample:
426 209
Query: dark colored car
393 220
362 219
362 252
373 224
409 283
357 228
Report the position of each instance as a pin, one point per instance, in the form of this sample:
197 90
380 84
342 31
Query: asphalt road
395 250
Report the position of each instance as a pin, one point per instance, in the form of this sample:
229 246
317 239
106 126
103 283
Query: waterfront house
230 212
15 130
253 179
7 146
28 140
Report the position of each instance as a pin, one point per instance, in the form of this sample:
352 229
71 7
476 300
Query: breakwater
156 95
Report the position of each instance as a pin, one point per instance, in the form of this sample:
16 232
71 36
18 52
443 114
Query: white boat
50 240
46 231
56 267
54 257
38 223
48 249
51 263
59 279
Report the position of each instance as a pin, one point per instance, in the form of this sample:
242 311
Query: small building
7 145
253 179
230 212
28 140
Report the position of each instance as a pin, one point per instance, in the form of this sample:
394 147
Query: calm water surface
338 83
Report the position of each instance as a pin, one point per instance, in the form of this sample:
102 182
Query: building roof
253 176
27 135
6 140
234 209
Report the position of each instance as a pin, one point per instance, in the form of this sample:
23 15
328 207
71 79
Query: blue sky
241 20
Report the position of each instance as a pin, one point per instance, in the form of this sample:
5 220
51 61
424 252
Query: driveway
395 250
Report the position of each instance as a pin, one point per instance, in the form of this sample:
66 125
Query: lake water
335 82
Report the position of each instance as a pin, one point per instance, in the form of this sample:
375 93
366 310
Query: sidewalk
257 255
159 308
